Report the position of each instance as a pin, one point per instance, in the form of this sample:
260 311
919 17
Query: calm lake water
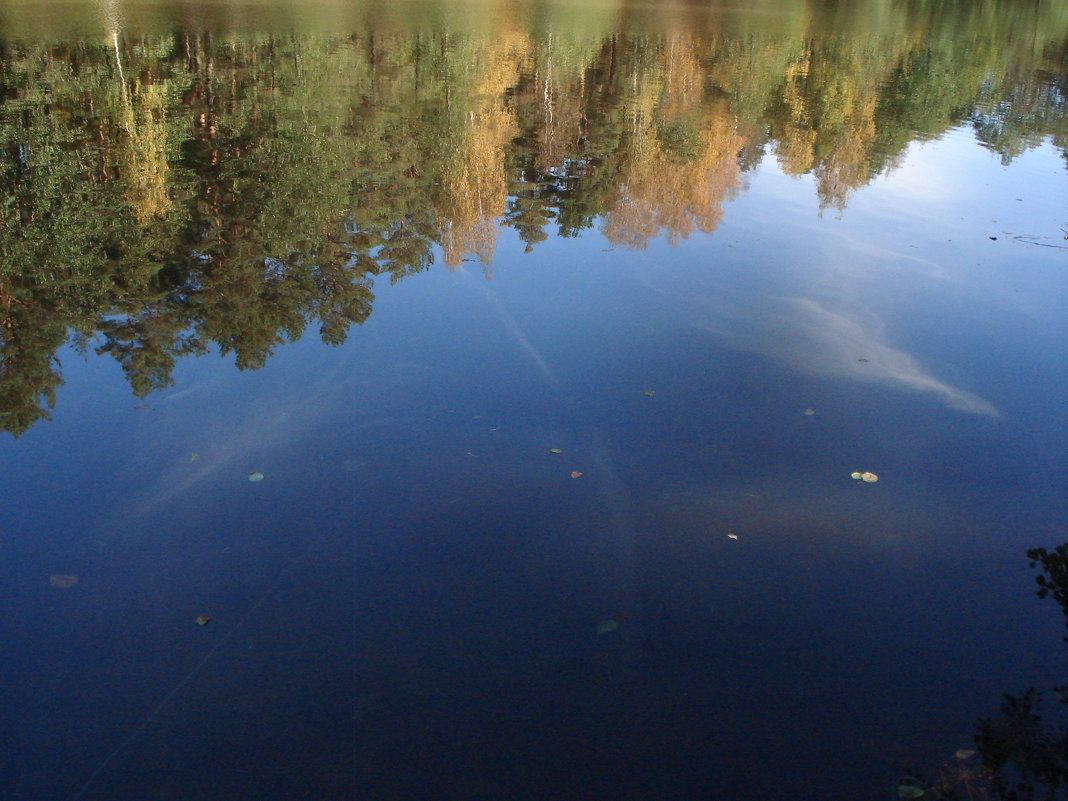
488 380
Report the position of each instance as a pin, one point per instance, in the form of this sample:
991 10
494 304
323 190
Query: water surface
555 332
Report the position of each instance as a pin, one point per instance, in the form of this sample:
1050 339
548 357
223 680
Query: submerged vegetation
176 193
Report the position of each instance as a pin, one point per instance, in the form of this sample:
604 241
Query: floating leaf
732 535
909 791
964 753
255 476
809 412
856 476
871 478
576 474
650 392
194 456
555 450
62 580
605 626
203 620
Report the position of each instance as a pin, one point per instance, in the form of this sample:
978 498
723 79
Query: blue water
410 604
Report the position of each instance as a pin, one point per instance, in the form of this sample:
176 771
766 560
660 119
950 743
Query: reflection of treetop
164 195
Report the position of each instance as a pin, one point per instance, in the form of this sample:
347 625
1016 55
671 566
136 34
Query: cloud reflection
811 337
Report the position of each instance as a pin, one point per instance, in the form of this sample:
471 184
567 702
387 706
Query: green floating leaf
964 753
255 476
606 626
194 456
555 450
909 791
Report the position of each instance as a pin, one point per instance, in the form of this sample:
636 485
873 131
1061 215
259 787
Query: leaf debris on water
909 791
606 626
809 412
732 535
555 450
650 392
203 620
194 456
255 476
870 478
62 580
964 753
576 474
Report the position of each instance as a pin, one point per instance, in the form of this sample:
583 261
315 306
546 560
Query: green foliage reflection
172 194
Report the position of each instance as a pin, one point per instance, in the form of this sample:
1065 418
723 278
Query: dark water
559 331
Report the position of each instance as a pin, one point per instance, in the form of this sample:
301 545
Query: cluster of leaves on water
171 195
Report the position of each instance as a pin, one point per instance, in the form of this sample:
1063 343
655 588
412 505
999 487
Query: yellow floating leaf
576 474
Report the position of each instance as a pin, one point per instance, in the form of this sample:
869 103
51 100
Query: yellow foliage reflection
219 184
680 159
474 190
145 152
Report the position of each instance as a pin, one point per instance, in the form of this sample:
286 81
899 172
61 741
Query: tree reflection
1023 749
171 195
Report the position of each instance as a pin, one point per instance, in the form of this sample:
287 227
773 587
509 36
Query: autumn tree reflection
187 193
473 184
